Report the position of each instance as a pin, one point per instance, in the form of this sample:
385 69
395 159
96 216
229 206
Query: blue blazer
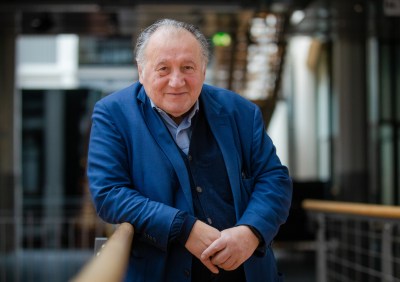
137 175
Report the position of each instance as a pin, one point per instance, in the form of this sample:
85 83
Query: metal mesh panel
360 249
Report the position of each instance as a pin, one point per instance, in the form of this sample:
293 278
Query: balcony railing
111 262
49 248
356 242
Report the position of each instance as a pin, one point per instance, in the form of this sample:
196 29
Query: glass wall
389 122
384 101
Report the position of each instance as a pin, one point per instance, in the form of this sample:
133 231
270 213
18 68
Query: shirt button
199 189
209 220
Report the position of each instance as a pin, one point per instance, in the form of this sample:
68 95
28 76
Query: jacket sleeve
270 184
114 195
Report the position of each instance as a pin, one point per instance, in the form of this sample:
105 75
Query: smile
176 94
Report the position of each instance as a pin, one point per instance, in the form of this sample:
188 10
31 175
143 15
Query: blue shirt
180 132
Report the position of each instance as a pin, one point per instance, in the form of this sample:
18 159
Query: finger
215 247
231 265
214 269
220 260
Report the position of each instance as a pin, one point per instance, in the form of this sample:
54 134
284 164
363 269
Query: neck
178 119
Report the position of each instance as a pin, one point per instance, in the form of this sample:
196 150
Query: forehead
172 32
171 41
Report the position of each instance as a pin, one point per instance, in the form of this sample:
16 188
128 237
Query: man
189 165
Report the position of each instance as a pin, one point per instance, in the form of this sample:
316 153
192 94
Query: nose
177 79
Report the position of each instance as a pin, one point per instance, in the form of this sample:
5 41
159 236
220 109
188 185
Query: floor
297 266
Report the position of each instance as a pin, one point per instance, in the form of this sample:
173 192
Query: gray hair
145 35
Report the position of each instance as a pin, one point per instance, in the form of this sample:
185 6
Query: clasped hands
226 249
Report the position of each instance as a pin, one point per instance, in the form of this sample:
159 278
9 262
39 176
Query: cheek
195 82
157 86
159 83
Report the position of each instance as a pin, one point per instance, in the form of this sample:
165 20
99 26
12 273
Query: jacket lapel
167 145
222 130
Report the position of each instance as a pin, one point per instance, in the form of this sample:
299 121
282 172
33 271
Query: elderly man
189 165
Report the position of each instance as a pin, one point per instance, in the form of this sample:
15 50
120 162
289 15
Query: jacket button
190 157
187 272
199 189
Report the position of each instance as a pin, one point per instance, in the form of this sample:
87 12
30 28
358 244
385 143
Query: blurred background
326 74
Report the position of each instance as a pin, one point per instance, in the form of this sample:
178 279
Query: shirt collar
189 116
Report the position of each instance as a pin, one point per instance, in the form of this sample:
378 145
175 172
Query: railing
356 242
47 249
111 262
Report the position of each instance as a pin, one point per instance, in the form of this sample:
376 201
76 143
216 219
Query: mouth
176 93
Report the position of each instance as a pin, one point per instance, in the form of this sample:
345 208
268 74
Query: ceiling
108 17
123 17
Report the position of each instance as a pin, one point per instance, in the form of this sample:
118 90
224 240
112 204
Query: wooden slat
371 210
112 262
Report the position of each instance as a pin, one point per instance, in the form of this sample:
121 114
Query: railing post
386 262
321 249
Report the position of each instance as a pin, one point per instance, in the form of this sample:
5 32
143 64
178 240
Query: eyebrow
166 62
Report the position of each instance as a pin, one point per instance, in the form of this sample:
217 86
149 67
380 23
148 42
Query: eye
162 70
188 68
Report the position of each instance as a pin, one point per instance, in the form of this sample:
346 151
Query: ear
140 70
204 71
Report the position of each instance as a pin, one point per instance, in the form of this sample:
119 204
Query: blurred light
271 20
297 17
221 39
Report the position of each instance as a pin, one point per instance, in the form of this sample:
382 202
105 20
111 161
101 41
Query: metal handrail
358 237
111 262
370 210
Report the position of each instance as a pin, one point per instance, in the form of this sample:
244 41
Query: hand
200 238
234 247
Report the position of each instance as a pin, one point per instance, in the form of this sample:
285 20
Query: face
174 71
